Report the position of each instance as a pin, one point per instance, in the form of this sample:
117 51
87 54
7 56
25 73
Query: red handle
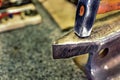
0 3
108 5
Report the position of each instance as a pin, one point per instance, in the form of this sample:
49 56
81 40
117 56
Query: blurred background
27 30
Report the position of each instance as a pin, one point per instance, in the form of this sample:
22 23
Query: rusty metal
103 46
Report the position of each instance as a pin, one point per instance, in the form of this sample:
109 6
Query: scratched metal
105 36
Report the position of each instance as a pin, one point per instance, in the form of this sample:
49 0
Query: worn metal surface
103 47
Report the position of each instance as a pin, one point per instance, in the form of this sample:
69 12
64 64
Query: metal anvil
103 47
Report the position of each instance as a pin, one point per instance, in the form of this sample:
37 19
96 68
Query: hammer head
85 16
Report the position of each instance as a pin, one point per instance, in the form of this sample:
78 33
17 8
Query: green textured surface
26 54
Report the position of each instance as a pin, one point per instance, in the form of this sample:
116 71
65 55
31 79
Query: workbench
25 54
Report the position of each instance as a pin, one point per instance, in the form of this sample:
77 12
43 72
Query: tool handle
108 5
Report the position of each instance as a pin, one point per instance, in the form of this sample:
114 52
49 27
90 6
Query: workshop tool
102 46
86 14
98 54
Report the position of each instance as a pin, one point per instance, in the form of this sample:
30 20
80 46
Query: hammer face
85 16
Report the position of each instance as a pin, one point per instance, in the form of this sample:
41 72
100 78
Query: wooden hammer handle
0 3
108 5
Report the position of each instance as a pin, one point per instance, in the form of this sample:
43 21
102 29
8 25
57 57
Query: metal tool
102 46
86 14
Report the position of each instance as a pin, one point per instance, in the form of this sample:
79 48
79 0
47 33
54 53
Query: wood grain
108 5
62 11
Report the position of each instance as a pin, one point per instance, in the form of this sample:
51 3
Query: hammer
86 14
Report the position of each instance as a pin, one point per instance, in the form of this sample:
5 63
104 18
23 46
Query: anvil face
103 47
